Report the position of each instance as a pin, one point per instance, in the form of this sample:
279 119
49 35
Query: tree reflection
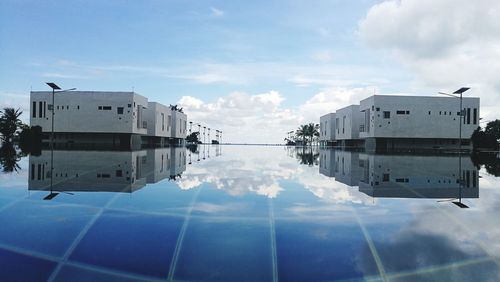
307 156
491 162
9 157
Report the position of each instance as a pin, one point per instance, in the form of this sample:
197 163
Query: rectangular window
400 112
464 111
119 173
100 107
44 107
385 177
162 121
474 117
407 112
78 107
387 114
468 115
378 109
429 112
129 105
34 109
106 108
343 124
119 110
40 106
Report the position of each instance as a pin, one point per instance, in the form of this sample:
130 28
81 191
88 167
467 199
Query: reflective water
248 213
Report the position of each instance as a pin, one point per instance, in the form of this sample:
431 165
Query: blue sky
270 65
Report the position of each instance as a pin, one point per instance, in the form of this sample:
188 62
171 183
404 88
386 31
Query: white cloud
322 56
262 118
447 44
216 12
16 100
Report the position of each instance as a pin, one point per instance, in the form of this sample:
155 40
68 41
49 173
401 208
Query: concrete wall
417 117
159 118
347 122
410 176
327 127
179 128
94 171
89 111
327 162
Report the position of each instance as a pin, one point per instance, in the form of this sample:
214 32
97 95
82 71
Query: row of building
389 122
402 176
122 118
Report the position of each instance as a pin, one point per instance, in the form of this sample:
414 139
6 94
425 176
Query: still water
248 213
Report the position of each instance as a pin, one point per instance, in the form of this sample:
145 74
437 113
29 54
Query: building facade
327 129
389 122
122 118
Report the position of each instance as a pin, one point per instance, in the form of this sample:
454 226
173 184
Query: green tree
9 123
309 130
493 129
193 137
9 158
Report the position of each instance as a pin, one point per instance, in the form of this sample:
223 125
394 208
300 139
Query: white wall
347 122
159 118
327 127
78 111
179 128
424 117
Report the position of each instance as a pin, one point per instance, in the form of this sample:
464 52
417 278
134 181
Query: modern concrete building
327 129
120 118
347 122
104 171
327 162
410 176
390 122
394 122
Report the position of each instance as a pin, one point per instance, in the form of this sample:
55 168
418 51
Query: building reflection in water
104 171
403 176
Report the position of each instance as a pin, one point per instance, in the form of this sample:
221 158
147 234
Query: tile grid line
180 238
274 255
78 238
372 247
465 228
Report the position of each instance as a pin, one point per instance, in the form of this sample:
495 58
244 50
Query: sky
253 69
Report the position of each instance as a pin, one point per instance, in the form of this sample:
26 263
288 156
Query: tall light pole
54 88
190 126
456 95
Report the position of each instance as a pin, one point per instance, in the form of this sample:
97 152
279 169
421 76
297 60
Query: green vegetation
193 138
306 133
9 123
489 138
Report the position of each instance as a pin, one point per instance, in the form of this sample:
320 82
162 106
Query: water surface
248 213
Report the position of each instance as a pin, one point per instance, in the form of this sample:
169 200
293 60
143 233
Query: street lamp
54 88
456 95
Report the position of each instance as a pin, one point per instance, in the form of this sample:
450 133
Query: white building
347 122
392 122
327 129
121 118
389 122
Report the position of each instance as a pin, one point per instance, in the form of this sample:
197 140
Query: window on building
162 122
400 112
444 113
468 115
40 107
67 107
119 110
100 107
385 177
119 173
44 108
343 125
439 112
34 110
378 109
429 112
58 107
474 117
106 108
387 114
129 105
78 107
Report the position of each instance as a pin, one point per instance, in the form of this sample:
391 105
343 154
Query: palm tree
9 123
303 132
9 158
